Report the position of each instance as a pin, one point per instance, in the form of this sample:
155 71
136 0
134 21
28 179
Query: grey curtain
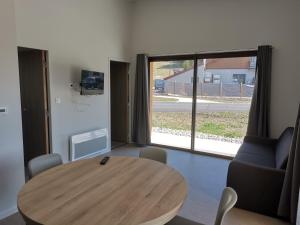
290 191
141 124
258 124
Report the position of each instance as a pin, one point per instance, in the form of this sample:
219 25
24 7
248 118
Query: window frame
196 58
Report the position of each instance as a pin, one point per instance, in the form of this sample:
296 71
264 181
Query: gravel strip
198 135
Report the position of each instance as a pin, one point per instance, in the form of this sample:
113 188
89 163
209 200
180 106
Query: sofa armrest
258 188
260 140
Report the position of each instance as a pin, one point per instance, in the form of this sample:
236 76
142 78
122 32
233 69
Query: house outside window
252 63
239 78
208 78
192 80
212 78
216 79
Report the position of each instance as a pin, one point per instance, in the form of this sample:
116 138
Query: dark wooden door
34 102
119 101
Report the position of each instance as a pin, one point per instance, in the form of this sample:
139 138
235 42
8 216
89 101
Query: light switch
57 100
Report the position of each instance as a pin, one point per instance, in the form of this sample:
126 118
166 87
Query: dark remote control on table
104 160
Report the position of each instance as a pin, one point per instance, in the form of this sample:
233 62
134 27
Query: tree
187 64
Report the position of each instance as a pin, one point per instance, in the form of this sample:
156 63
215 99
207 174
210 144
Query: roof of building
221 63
176 74
228 63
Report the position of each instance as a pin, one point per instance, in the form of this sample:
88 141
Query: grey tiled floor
206 178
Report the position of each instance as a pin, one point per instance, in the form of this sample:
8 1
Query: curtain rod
204 52
210 55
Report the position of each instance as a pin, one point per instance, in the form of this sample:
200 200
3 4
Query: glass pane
224 94
171 97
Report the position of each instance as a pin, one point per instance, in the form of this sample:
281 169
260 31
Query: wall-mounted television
92 83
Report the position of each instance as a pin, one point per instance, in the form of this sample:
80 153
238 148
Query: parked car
159 85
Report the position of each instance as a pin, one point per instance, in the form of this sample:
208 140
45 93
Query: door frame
128 97
47 100
194 58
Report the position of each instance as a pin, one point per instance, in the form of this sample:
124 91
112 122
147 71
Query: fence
209 89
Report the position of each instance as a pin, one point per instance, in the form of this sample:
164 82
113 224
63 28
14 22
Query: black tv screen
92 83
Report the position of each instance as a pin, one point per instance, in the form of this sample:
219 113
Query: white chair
154 153
228 200
42 163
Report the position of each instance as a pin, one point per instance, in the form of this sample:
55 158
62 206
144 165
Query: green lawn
227 124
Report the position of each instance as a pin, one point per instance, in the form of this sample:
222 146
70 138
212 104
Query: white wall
79 34
188 26
11 146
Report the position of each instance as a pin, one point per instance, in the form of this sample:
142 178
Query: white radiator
88 144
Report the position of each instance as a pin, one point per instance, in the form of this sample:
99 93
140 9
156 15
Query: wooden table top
125 191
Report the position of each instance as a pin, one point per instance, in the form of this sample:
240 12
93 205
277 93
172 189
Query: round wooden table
125 191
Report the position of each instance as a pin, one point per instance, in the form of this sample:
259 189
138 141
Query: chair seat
178 220
241 217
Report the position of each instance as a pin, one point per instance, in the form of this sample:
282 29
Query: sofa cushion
283 148
257 154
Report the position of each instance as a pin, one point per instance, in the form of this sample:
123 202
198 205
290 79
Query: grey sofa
257 172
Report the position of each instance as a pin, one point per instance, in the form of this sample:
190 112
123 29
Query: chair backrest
154 153
228 200
283 148
42 163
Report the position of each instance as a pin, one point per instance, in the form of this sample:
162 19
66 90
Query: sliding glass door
201 102
224 94
172 98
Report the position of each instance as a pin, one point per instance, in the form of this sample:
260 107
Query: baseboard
8 212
